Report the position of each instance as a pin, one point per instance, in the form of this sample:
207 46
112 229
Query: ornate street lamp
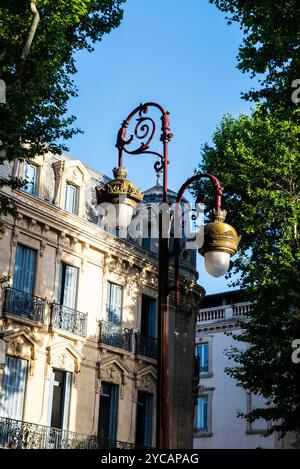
220 239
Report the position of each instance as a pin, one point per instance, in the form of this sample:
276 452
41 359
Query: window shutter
14 382
24 273
151 318
148 420
113 421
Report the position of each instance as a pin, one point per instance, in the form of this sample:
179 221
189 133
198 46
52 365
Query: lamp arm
144 130
217 203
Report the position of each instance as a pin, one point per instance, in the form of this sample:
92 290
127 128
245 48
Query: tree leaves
257 159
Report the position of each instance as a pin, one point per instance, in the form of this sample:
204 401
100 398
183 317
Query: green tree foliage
38 40
257 159
270 48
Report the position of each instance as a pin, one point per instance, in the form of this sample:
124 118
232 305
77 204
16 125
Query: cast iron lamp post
220 239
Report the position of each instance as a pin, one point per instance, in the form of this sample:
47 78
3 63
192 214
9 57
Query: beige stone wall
100 257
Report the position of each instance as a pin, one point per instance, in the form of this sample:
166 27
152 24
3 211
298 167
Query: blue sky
181 54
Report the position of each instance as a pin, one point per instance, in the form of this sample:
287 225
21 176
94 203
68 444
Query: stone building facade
78 320
219 399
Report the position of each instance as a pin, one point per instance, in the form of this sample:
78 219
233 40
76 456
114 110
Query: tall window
60 393
108 417
67 291
148 317
201 423
202 351
114 303
30 175
144 418
14 382
70 204
25 266
146 240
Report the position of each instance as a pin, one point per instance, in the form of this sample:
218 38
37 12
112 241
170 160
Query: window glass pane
202 414
70 198
144 418
25 265
202 352
30 175
148 319
114 303
67 294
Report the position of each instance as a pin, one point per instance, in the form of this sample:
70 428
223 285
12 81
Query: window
114 303
202 351
59 404
201 424
148 316
144 418
67 289
146 239
13 391
255 401
108 417
30 176
70 204
25 266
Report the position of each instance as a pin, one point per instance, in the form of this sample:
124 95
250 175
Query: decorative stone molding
64 356
145 380
22 344
42 248
39 161
15 236
74 172
113 370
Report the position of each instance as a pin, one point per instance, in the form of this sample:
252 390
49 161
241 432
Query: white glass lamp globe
217 263
124 214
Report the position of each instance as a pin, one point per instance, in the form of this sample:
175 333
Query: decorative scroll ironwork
146 346
17 434
145 129
23 304
69 319
115 336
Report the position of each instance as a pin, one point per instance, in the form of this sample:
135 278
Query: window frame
199 432
35 181
75 208
208 341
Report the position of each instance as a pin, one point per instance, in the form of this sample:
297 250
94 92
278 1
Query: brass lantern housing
123 194
220 236
220 243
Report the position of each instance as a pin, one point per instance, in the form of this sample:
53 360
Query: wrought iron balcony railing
24 435
24 305
146 346
68 319
115 336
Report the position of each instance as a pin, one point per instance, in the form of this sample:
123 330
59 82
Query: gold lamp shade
220 236
220 243
124 196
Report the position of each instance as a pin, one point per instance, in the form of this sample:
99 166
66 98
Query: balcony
224 313
146 346
17 434
68 319
115 336
24 305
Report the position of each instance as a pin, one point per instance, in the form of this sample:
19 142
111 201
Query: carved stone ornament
145 380
111 374
65 357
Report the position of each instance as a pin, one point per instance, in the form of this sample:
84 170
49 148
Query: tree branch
31 34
